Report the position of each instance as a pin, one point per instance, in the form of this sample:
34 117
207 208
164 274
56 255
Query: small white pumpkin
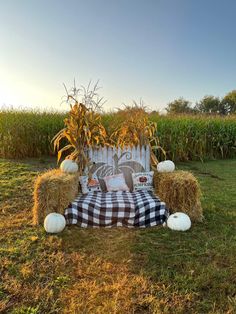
166 166
54 223
69 166
179 221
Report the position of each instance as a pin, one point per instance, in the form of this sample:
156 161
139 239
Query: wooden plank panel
104 154
143 157
110 160
148 159
134 153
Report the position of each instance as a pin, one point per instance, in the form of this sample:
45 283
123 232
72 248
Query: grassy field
29 133
118 270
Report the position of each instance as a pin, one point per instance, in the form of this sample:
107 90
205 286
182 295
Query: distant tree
155 112
210 104
179 106
229 102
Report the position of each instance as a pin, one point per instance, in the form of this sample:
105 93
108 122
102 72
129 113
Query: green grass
198 266
155 270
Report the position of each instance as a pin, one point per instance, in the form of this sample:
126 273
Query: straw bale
53 191
180 191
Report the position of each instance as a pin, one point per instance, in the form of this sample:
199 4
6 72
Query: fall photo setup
117 157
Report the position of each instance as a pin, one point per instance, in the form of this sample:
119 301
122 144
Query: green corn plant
25 133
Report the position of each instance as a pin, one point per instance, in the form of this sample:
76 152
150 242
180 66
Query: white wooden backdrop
110 160
106 155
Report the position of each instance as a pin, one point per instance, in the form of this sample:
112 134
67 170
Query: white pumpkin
166 166
69 166
179 221
54 223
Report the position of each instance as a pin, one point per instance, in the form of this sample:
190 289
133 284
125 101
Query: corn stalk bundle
135 129
83 129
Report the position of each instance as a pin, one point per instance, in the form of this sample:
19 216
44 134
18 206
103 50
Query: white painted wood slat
136 158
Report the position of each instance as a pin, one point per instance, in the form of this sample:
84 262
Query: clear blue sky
157 50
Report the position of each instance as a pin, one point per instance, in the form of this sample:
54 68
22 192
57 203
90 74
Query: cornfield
197 137
29 134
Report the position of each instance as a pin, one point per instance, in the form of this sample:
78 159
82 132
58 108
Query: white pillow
89 185
143 181
116 183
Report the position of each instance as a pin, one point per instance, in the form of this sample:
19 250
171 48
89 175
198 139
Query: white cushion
116 183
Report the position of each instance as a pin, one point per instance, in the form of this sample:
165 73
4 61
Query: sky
155 50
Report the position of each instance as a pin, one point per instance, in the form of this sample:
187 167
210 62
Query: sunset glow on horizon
154 50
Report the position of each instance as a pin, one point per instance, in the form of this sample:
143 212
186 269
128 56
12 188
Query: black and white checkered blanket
108 209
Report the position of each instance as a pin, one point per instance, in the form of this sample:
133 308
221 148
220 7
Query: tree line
208 104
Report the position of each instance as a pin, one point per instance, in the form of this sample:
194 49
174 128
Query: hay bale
53 191
180 191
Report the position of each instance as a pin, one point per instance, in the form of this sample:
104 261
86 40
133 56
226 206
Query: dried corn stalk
134 128
83 128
